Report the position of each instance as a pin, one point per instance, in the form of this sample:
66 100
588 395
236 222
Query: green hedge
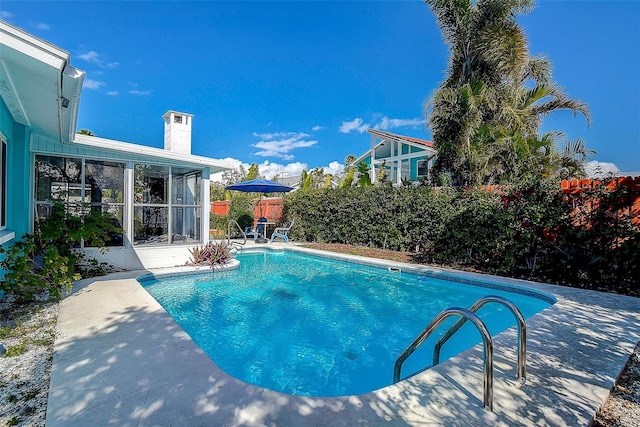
519 232
398 219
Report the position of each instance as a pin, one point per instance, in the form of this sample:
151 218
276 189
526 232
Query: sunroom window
166 205
81 184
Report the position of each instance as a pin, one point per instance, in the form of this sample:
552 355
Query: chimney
177 132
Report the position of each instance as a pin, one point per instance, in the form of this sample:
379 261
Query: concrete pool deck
120 359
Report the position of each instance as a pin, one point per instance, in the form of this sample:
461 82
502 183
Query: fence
627 204
271 208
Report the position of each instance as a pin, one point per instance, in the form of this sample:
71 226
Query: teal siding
18 173
414 167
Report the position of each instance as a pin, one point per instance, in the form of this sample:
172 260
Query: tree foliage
486 115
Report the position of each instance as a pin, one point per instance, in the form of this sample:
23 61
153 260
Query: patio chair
282 232
258 230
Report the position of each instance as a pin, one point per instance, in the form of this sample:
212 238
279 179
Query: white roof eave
154 153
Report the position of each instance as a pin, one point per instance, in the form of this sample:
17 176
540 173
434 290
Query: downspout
71 81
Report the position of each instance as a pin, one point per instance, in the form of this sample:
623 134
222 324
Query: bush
49 260
531 231
212 254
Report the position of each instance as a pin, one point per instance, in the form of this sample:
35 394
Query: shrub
532 231
213 254
49 259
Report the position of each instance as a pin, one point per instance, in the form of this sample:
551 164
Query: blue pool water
314 326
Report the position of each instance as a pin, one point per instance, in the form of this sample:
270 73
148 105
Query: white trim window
423 168
167 206
5 235
81 183
3 185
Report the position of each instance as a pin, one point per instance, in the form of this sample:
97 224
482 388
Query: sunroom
159 198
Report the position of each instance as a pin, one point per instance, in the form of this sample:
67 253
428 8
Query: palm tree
254 172
495 95
364 178
349 172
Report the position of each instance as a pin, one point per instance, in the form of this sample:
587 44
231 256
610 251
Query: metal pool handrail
486 339
522 332
244 236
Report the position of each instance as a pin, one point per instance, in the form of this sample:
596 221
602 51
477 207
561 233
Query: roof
38 84
388 136
214 165
168 113
400 138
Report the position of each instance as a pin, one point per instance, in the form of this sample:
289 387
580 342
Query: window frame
169 205
42 207
3 183
422 164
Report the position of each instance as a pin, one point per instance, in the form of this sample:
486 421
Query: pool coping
120 359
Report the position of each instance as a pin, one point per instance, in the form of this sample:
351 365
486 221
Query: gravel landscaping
27 335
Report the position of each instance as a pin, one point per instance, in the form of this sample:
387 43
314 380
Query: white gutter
130 148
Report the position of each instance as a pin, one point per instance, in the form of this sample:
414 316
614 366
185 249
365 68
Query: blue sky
292 85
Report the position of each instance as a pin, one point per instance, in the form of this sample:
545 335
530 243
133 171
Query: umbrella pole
262 239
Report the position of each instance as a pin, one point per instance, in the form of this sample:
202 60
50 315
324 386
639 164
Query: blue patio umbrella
259 186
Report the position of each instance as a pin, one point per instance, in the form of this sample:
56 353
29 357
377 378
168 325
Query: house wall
17 164
42 145
129 256
140 258
414 167
405 149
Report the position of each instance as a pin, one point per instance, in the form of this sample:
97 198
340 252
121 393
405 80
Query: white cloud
386 123
93 57
356 124
267 169
5 15
281 143
270 169
113 93
42 26
93 84
140 92
278 134
317 128
334 168
596 169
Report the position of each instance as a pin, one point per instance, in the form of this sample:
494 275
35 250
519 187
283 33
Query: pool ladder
235 245
469 315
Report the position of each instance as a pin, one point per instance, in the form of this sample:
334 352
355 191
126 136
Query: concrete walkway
121 360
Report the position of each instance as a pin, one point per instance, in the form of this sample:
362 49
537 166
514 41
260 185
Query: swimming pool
314 326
